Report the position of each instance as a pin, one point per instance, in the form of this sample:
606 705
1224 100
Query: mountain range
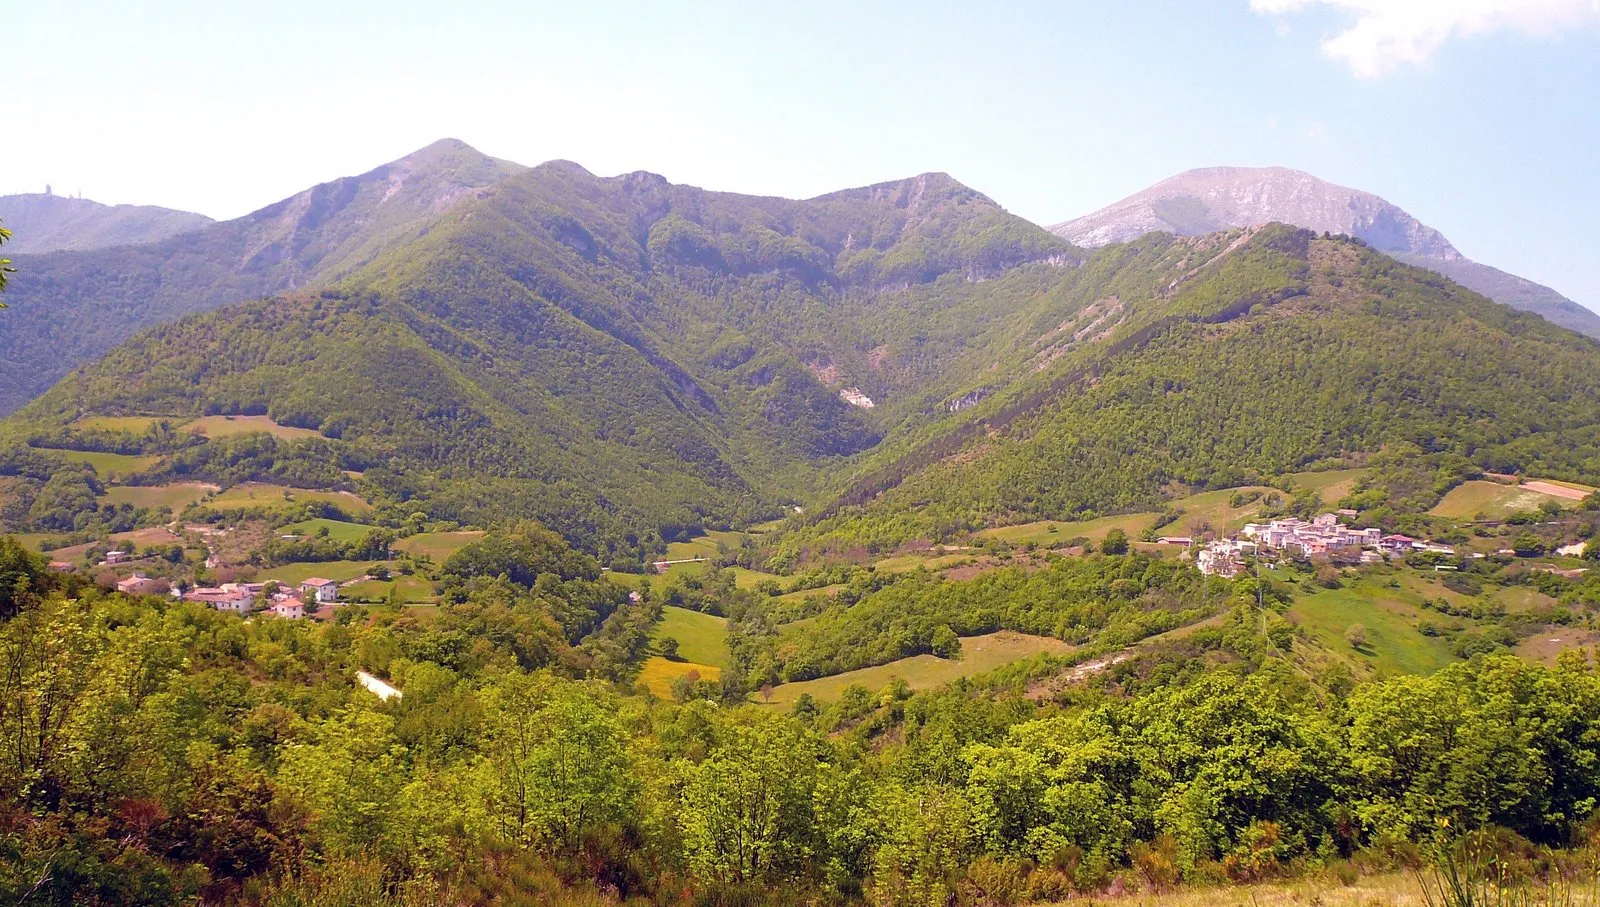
629 360
1217 198
45 222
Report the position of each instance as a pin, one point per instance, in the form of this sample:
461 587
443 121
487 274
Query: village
312 597
1322 537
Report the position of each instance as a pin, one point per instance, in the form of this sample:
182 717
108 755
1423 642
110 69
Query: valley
1142 556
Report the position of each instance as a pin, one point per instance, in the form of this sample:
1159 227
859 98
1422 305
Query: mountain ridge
1207 199
44 222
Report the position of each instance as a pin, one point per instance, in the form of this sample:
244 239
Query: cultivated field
924 672
412 589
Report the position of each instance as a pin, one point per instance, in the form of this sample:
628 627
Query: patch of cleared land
260 494
133 425
300 571
1048 533
223 426
412 589
905 563
1569 491
657 674
1387 890
703 545
745 578
924 672
702 638
173 497
1490 499
1544 647
437 545
1330 485
108 464
338 530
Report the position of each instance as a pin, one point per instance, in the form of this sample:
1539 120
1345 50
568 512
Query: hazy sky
1480 117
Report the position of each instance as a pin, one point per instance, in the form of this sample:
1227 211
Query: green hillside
1281 352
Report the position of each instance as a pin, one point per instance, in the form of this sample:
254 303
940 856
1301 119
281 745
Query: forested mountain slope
44 222
68 307
1281 350
1203 201
614 356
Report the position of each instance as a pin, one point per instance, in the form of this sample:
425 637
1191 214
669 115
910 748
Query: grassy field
704 545
658 674
338 530
1394 645
436 545
413 589
1330 485
1215 508
1490 499
259 494
223 426
745 578
300 571
924 672
1048 533
702 638
107 464
133 425
173 497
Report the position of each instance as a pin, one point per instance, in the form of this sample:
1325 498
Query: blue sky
1477 116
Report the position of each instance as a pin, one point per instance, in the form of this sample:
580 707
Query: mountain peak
1215 198
1209 199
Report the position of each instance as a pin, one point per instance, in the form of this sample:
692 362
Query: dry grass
223 426
979 654
658 674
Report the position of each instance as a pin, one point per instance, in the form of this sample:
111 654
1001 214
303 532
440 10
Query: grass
905 563
133 425
107 464
412 589
702 638
260 494
745 578
1216 509
32 540
300 571
173 497
1053 532
1394 645
437 545
338 530
658 674
703 545
1330 485
223 426
1491 499
1389 890
924 672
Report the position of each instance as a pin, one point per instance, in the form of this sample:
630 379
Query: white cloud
1387 34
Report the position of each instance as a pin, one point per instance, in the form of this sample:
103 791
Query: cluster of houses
1324 536
240 598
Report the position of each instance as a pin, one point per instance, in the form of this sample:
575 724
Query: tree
5 263
669 648
1115 542
946 644
1356 636
1527 544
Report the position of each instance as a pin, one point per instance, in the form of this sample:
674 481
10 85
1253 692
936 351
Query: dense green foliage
1288 350
156 752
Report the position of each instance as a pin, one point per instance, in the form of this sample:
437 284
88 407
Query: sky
1479 117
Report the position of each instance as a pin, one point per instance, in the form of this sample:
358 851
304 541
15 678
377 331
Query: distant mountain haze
1217 198
43 222
68 307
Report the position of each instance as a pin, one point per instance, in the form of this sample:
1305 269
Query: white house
323 590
